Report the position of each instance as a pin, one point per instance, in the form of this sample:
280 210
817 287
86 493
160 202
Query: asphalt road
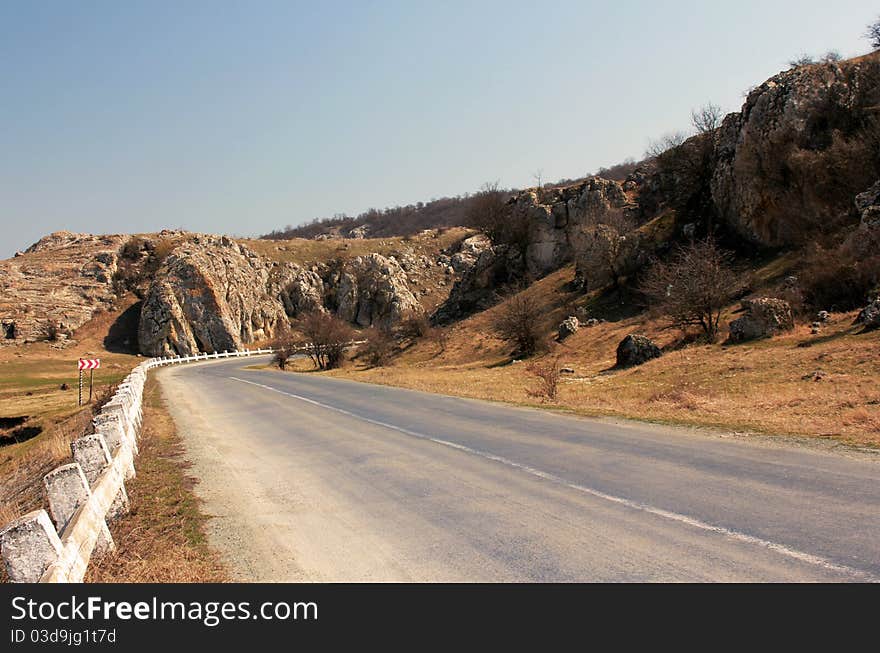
317 479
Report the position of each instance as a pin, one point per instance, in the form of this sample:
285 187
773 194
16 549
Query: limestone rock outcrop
777 174
558 219
211 294
61 281
764 317
372 290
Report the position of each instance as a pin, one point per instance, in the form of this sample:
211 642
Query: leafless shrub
802 60
284 347
414 326
516 322
326 337
548 374
379 348
440 337
842 277
832 56
692 287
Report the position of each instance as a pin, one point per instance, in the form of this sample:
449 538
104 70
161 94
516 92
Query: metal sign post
90 364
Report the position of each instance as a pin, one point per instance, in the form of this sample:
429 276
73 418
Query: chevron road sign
90 364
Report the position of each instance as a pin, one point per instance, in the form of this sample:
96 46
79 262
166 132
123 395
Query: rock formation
764 317
371 290
568 327
211 294
778 174
61 280
636 349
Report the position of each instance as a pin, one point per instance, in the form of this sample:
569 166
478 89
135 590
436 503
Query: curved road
312 478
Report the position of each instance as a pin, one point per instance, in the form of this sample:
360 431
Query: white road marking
782 549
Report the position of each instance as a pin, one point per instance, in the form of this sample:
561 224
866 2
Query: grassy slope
30 387
757 386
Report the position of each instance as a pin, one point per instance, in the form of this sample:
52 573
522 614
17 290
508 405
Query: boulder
870 315
636 349
568 327
763 317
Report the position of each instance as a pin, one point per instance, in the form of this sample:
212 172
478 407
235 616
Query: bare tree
873 34
326 337
707 118
692 287
803 60
664 144
516 322
538 176
832 56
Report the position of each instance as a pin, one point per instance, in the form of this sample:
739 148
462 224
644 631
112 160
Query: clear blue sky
240 117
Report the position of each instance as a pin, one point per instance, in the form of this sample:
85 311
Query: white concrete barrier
83 496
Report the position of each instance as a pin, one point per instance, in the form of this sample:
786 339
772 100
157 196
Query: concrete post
29 545
90 451
67 489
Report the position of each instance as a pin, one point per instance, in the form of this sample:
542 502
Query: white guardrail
85 495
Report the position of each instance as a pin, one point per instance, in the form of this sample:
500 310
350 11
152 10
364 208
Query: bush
489 211
516 322
414 326
379 348
842 278
326 337
692 287
284 347
548 374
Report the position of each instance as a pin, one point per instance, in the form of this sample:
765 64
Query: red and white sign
89 363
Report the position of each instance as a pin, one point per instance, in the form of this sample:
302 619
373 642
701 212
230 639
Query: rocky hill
56 285
797 167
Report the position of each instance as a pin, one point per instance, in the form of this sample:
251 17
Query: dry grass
162 539
308 252
759 386
30 390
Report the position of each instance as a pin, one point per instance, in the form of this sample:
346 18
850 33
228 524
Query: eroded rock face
495 268
777 174
558 220
764 317
371 290
300 290
209 295
636 349
61 280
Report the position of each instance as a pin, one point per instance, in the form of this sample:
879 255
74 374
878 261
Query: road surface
317 479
